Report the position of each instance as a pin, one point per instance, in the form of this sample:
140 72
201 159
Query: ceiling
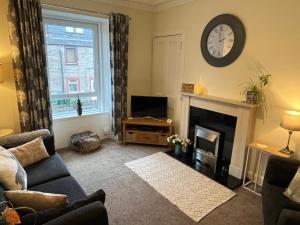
148 5
150 2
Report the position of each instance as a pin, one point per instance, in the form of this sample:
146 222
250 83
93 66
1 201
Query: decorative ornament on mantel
253 90
197 89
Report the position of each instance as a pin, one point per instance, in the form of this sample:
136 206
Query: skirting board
236 171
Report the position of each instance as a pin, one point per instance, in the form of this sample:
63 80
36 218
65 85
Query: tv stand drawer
146 138
130 136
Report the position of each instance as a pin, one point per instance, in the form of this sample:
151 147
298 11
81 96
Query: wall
140 51
272 45
9 117
64 128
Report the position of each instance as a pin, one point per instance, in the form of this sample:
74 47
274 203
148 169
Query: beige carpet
132 201
193 193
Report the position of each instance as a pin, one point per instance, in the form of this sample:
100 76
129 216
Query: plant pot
251 97
178 149
79 111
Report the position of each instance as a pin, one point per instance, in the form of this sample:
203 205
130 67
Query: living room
166 51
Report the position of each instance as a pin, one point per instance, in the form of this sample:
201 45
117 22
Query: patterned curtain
29 62
119 29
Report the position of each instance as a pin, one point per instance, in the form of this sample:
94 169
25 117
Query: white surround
245 125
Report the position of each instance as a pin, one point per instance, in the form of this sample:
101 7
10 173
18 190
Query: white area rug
193 193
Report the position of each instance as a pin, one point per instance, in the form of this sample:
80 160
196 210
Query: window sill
74 117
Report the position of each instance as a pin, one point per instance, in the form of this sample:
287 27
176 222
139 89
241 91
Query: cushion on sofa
36 200
46 170
31 152
12 174
66 185
293 190
46 215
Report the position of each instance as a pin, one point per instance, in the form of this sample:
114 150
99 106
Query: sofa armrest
280 171
92 214
289 217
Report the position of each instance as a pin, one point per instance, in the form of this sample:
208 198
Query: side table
6 132
260 149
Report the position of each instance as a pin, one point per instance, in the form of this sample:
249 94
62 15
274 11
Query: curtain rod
77 9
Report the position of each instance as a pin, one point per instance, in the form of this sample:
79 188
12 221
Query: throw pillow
46 215
12 174
36 200
293 190
30 152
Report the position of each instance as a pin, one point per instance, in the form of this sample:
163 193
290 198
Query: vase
79 111
251 97
177 149
184 149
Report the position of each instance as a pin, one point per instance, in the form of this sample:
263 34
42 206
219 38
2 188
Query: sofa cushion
30 152
36 200
66 185
44 216
46 170
12 174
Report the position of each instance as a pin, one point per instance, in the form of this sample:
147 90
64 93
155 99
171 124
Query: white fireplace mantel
245 114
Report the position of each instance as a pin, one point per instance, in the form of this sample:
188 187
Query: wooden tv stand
146 131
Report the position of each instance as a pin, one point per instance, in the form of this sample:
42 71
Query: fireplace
232 120
205 149
219 128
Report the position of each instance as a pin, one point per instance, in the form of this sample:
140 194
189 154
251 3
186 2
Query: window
77 30
73 85
68 78
71 55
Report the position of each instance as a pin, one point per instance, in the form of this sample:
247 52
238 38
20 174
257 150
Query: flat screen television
149 106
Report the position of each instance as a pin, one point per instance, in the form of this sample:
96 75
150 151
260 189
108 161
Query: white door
167 71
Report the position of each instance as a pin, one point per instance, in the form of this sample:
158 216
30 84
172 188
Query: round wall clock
223 40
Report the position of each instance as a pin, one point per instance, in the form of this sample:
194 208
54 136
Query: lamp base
287 151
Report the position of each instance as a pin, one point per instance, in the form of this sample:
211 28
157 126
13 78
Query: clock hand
222 40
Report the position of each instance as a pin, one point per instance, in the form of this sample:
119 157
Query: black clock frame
239 40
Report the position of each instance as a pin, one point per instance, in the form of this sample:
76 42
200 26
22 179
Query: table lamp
291 122
1 73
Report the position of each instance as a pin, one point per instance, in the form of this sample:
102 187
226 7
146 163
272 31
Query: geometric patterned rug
193 193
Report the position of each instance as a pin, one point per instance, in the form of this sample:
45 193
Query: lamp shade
1 73
291 121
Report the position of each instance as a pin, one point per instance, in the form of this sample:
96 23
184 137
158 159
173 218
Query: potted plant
185 143
254 90
178 143
79 106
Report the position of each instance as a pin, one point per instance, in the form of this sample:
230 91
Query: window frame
100 59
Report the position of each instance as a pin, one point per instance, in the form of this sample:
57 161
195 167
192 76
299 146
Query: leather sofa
277 208
51 175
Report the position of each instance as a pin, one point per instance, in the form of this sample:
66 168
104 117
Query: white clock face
220 41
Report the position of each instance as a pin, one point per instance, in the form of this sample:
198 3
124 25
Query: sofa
277 208
52 176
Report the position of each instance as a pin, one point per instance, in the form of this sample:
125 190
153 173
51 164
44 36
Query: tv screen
148 106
